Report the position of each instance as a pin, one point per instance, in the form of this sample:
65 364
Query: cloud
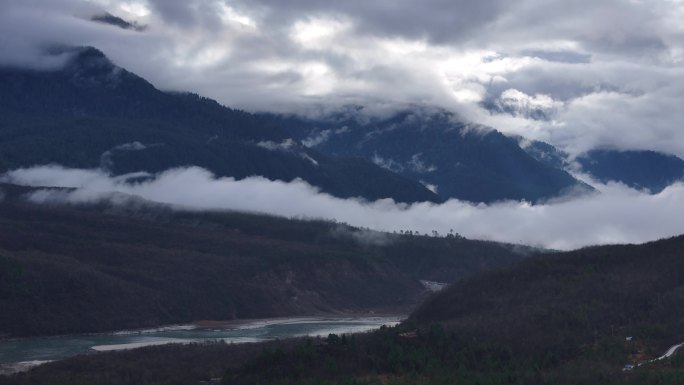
321 137
285 145
436 20
418 165
518 103
611 83
387 163
364 236
106 161
616 215
432 187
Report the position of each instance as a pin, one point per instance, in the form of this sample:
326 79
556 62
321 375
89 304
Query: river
23 353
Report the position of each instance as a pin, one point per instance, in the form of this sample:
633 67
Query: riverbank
23 354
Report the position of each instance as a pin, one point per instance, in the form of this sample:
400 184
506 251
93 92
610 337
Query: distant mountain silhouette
645 170
108 18
649 170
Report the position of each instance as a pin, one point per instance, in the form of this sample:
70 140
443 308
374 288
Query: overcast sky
603 72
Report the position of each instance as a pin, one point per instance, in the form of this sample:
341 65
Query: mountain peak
89 62
108 18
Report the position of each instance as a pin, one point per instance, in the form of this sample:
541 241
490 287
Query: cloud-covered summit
610 70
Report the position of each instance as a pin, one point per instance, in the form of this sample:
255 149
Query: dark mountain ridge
647 170
108 18
456 159
74 115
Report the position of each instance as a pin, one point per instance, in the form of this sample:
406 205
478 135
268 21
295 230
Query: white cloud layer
612 68
617 215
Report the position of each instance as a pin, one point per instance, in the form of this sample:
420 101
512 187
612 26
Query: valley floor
22 354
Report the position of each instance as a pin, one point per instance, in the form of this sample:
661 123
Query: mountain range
511 315
91 113
644 170
453 158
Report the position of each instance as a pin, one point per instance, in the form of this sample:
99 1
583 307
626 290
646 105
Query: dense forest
549 320
567 318
68 269
566 301
384 357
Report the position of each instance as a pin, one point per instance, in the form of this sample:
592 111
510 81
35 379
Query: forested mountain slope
68 269
454 158
91 113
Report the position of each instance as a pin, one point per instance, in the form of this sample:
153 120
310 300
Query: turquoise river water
20 354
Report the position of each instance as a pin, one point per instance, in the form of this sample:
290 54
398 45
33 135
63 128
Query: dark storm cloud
559 56
180 12
439 21
202 14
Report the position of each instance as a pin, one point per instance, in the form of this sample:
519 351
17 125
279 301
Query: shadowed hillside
564 302
549 320
68 269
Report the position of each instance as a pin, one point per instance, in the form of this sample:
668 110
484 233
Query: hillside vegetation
549 320
565 302
68 269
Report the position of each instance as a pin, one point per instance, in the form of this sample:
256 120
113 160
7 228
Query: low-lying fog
617 214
